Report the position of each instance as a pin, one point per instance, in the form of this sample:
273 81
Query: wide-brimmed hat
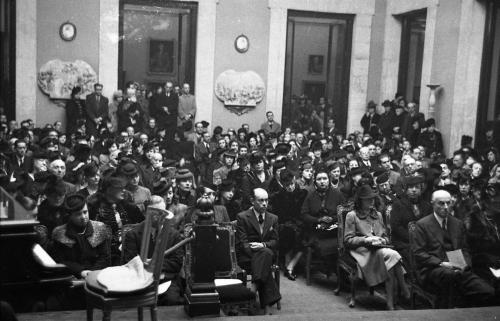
365 192
413 180
128 169
230 153
226 185
382 178
357 170
283 148
386 103
160 188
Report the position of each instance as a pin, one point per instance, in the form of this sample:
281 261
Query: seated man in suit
437 234
257 238
172 263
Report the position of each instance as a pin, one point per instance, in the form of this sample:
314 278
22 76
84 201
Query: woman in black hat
366 237
165 190
227 197
81 244
319 213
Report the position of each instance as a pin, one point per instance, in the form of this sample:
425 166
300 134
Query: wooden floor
301 302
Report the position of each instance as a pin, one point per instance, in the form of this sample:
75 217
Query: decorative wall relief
239 91
57 78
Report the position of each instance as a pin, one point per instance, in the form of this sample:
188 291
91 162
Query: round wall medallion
241 44
67 31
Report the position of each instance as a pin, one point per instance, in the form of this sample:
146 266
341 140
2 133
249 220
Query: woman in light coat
368 243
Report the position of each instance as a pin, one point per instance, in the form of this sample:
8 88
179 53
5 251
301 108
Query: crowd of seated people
279 185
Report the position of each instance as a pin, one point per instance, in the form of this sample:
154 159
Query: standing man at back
270 126
96 106
165 111
187 110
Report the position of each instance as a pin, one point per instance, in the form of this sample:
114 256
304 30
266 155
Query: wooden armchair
416 288
99 297
345 262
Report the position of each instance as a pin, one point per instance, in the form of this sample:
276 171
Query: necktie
444 225
98 99
261 219
271 126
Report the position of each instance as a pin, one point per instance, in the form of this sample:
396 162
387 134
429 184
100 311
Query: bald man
257 240
437 234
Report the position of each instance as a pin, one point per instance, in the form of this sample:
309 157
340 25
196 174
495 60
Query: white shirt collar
257 214
439 219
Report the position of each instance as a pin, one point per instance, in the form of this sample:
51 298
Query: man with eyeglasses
436 236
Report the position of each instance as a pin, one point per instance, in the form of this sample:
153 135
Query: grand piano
28 276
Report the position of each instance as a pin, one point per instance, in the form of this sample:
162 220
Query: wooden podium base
206 304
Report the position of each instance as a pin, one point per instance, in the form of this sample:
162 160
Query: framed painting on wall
316 63
161 56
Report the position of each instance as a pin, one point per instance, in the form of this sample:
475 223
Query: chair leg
90 314
352 279
154 313
308 265
413 298
106 315
339 278
140 315
277 280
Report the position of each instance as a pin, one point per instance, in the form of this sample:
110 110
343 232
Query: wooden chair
416 288
345 262
98 296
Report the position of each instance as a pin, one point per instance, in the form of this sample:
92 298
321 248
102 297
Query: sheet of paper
457 259
496 272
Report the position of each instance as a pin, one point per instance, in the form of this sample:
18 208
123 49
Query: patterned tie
261 219
444 226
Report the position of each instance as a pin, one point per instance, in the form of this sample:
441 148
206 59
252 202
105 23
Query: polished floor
302 302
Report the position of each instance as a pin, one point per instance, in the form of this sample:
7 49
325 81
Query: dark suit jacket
18 169
248 230
172 103
95 110
429 248
132 246
367 122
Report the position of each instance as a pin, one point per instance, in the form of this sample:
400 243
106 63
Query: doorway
157 42
317 66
